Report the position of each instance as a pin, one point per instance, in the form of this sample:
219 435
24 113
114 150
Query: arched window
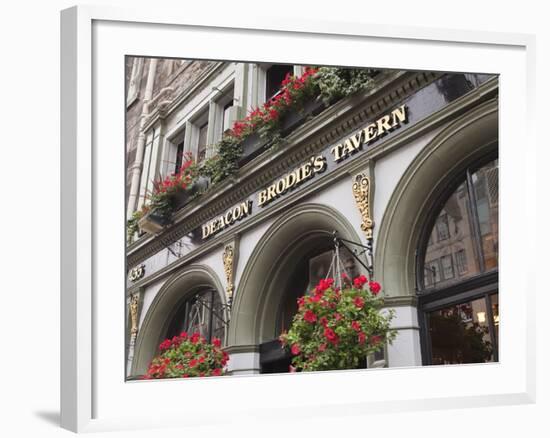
311 267
457 270
202 312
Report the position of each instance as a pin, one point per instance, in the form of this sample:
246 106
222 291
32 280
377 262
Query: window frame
482 284
261 78
219 103
192 130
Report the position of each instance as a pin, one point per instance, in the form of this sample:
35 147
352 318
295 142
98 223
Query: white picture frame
94 396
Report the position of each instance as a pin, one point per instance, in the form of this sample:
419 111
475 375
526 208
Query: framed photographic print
332 216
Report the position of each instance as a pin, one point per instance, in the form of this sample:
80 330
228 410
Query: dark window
274 77
179 157
203 313
458 275
201 150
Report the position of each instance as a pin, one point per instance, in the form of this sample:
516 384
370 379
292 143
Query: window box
153 223
254 145
296 117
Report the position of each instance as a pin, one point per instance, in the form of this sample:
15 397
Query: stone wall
177 74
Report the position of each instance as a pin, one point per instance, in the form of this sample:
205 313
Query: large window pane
485 182
460 334
496 316
450 253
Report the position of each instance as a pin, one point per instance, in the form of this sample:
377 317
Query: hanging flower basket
188 356
335 329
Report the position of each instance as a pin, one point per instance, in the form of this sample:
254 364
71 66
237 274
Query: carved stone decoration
134 307
362 194
228 264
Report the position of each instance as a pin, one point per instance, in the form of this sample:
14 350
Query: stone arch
474 134
180 285
257 297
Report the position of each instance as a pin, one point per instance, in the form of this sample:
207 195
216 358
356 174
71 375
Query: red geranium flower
361 337
183 335
356 326
358 282
324 285
374 287
323 320
315 298
295 349
193 363
322 347
331 335
217 372
375 339
310 316
195 337
165 345
359 302
216 342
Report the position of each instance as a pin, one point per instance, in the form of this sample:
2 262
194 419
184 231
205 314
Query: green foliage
337 83
225 163
132 224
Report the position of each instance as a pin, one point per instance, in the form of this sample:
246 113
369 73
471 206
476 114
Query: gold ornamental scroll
134 307
228 263
362 194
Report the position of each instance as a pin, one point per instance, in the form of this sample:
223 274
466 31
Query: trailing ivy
132 226
337 83
225 163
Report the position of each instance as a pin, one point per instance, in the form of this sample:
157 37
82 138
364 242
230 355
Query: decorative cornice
329 126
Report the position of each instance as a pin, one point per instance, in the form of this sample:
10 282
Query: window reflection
460 334
485 181
453 248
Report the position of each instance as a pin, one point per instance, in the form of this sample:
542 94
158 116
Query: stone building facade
429 152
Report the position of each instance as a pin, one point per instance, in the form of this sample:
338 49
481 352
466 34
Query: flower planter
295 118
181 198
153 223
254 145
200 185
